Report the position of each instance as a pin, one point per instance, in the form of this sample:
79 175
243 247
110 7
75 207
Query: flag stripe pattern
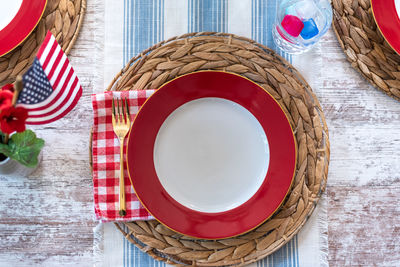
51 87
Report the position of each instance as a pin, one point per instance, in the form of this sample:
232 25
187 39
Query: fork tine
123 120
119 112
113 109
128 116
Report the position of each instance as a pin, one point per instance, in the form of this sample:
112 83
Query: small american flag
51 88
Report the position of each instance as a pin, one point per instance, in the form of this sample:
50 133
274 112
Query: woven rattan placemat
226 52
63 18
364 45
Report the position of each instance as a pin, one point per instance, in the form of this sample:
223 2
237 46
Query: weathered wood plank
364 225
363 123
47 219
364 173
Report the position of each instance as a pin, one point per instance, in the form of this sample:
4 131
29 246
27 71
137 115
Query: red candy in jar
292 25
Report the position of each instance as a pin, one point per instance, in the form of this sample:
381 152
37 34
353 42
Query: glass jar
300 24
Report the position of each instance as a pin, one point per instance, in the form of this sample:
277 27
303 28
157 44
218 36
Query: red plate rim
21 26
388 21
262 205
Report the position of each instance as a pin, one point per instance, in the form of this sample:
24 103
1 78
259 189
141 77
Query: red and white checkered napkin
106 159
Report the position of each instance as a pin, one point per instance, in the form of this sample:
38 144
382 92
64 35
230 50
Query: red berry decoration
5 99
13 119
8 87
292 25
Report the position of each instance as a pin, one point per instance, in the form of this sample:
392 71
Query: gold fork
121 124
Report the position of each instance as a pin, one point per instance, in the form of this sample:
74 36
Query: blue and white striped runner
134 25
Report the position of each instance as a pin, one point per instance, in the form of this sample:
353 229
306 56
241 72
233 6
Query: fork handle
122 208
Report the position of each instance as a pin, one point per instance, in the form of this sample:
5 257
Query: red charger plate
388 21
216 225
23 23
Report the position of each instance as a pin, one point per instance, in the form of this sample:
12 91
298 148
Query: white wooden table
47 219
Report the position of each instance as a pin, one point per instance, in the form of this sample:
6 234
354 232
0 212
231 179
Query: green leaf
24 147
5 150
